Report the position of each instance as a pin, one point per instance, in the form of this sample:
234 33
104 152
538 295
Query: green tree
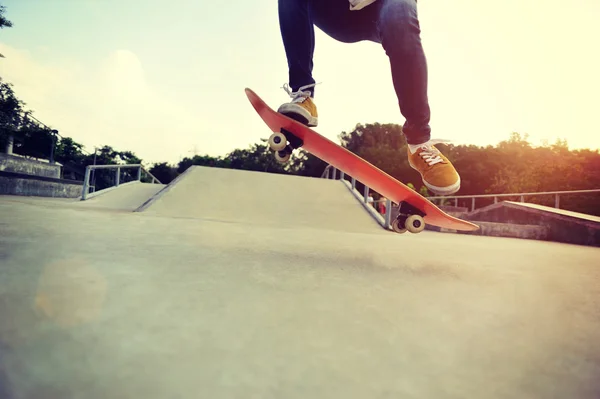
4 23
201 160
11 109
69 151
258 157
164 172
306 164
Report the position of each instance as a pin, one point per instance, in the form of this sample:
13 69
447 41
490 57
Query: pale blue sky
165 78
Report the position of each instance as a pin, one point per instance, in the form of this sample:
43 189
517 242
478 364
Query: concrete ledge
492 229
38 186
561 226
18 164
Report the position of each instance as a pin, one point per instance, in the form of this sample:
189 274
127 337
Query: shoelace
300 95
430 154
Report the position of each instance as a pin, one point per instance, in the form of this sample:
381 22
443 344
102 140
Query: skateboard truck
409 219
279 143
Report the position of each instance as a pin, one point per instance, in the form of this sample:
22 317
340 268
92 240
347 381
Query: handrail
330 172
386 220
522 196
89 168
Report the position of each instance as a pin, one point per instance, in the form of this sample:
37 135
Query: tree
4 23
258 157
11 109
201 160
163 172
304 163
384 146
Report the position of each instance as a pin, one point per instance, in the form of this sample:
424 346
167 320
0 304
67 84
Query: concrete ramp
259 198
127 197
560 225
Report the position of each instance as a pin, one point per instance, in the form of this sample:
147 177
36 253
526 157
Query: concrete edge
472 216
162 192
553 213
109 189
25 176
511 230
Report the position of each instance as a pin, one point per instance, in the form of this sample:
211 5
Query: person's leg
394 24
399 32
298 35
297 19
400 35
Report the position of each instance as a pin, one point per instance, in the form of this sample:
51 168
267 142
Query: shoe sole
298 114
448 190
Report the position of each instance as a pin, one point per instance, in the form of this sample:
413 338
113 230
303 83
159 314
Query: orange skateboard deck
415 210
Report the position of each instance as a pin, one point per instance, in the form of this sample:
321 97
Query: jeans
392 23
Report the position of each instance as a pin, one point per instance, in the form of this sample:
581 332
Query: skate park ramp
232 284
257 198
127 197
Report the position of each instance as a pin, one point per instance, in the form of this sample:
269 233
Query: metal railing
330 172
86 181
521 196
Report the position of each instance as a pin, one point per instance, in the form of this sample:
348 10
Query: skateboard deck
412 204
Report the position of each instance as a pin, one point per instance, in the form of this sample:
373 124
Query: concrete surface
176 304
510 230
259 198
507 230
562 226
12 183
126 197
19 164
557 211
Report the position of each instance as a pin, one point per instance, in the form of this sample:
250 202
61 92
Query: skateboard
415 210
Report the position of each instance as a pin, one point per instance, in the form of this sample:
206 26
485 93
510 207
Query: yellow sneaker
436 170
302 108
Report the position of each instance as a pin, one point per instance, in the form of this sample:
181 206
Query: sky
166 80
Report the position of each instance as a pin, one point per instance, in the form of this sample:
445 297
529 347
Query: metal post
522 198
388 213
353 183
495 200
52 145
456 202
472 204
139 176
9 144
557 201
366 193
118 178
86 183
341 175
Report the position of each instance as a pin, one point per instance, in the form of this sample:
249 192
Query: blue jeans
392 23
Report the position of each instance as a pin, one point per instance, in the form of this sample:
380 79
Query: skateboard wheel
277 141
414 224
282 156
397 226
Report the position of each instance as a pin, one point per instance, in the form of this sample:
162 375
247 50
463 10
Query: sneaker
301 108
436 170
